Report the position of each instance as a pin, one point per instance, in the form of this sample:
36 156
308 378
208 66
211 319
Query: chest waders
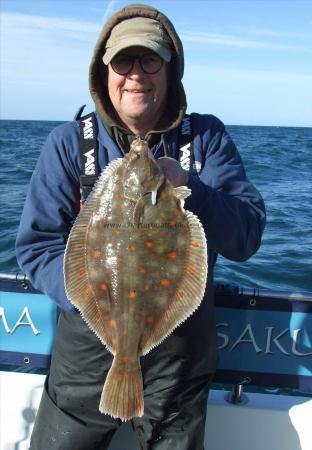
176 373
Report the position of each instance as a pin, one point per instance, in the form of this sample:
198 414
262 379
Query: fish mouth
140 148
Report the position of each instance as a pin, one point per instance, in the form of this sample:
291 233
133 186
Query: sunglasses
150 63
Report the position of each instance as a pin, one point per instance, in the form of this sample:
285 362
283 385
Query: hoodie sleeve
229 206
51 205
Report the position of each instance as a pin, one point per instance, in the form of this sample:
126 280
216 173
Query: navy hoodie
228 205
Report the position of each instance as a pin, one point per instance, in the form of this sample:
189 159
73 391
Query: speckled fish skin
135 266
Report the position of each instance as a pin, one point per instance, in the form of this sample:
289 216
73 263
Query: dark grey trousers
176 385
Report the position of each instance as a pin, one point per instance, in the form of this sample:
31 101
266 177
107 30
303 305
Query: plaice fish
135 267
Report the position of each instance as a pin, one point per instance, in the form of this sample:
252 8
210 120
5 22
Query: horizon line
226 124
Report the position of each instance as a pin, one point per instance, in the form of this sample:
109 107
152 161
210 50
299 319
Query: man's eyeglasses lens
150 63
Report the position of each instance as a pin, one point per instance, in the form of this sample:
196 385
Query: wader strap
89 150
186 154
88 154
79 112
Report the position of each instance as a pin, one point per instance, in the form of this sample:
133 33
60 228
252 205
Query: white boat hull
264 421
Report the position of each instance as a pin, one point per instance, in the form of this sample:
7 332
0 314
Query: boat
262 392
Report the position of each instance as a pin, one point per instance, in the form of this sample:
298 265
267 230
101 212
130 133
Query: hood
176 105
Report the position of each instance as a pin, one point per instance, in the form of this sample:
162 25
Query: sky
248 62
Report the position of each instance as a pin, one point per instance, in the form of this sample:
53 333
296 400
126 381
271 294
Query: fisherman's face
138 98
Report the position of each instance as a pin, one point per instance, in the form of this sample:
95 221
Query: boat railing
264 336
220 288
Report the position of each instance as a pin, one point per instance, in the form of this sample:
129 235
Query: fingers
173 171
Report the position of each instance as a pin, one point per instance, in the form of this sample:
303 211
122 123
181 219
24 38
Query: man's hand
173 171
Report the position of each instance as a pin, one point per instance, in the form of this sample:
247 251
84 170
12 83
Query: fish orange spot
149 244
82 272
132 295
172 223
190 270
125 359
98 316
172 255
150 319
181 294
96 253
166 316
103 287
195 244
141 269
177 213
113 324
164 196
165 282
88 292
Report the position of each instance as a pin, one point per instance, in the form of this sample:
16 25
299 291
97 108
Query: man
135 81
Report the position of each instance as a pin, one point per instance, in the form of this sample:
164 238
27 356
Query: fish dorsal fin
109 170
77 286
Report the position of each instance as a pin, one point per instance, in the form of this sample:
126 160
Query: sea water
278 161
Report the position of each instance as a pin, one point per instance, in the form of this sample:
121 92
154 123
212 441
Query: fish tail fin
122 395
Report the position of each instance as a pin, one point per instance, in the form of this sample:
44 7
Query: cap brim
162 51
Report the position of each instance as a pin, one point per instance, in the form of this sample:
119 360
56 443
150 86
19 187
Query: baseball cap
139 31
